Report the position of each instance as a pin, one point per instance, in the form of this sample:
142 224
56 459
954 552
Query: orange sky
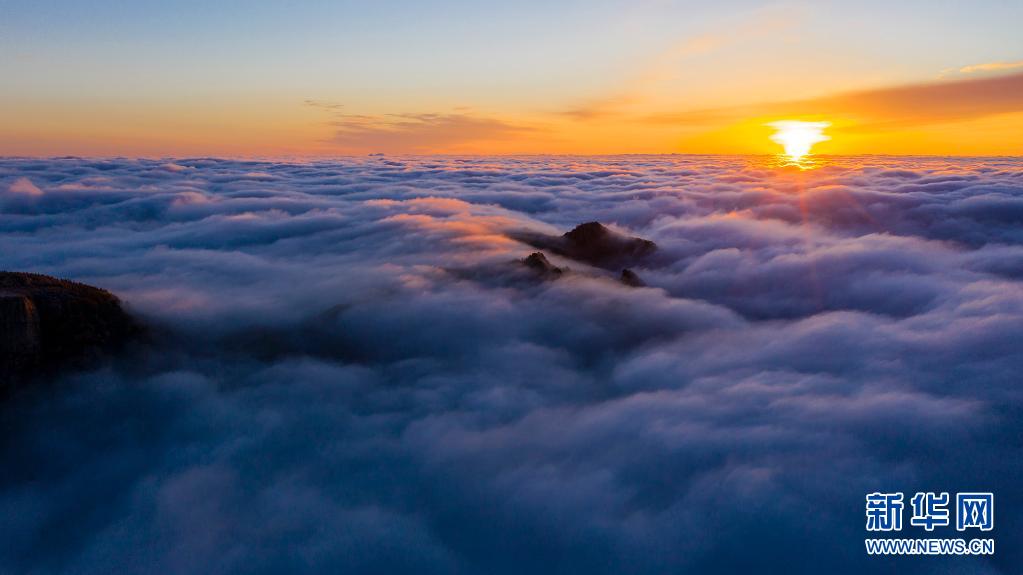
976 116
643 77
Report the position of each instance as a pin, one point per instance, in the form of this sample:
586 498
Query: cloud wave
351 374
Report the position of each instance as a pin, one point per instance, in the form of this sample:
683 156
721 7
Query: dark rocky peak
589 233
630 278
539 263
48 323
595 244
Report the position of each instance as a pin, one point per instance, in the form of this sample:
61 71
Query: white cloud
352 375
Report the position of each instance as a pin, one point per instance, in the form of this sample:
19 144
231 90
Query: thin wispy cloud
324 104
991 67
654 75
423 132
909 105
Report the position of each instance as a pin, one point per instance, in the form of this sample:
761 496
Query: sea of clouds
349 373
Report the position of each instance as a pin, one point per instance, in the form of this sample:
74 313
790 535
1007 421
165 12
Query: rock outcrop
539 264
594 244
630 278
19 332
47 323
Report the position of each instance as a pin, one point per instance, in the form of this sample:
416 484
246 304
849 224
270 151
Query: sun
797 137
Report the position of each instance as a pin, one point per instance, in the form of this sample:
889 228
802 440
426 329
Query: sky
274 79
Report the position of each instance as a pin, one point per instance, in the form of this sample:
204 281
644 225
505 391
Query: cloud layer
351 374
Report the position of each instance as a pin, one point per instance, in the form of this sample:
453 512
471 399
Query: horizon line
299 158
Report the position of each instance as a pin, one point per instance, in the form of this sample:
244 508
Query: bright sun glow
798 137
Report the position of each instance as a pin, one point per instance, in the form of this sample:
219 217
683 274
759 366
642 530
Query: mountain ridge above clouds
47 324
592 243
